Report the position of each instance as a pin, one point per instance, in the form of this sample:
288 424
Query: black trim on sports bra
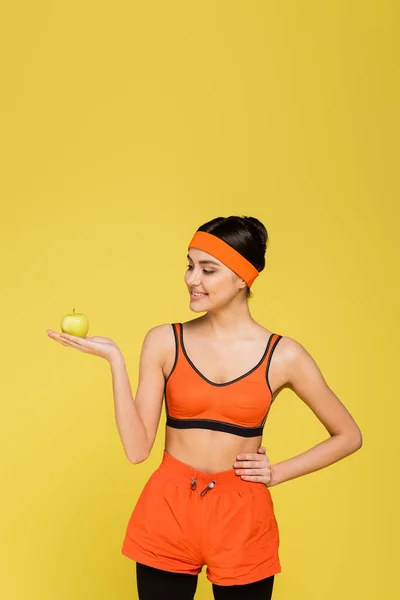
268 364
215 426
226 382
176 352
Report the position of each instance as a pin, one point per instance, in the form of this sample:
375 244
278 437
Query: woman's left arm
303 376
306 380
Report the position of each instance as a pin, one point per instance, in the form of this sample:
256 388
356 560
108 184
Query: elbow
140 453
138 458
351 441
356 441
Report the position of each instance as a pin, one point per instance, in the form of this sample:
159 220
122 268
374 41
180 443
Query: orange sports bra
239 406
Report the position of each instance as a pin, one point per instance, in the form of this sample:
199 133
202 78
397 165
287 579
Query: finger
261 449
254 459
251 456
62 342
79 344
252 463
55 336
250 471
72 344
68 343
253 478
72 338
82 344
67 340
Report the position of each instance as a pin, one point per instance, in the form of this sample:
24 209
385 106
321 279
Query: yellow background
124 127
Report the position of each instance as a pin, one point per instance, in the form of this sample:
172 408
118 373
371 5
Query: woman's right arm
138 418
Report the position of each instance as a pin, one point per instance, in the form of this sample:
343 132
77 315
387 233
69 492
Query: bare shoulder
289 348
160 332
288 356
299 370
160 335
289 353
159 344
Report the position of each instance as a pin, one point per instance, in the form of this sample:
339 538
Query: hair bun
258 228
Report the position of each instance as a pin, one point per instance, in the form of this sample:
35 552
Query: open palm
97 345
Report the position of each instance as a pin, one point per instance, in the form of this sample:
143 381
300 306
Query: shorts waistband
186 474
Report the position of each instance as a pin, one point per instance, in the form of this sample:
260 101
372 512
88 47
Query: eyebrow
205 262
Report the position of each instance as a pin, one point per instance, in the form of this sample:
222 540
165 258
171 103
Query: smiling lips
197 295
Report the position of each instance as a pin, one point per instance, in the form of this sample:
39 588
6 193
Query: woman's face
208 276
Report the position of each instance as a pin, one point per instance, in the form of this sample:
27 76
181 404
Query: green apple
75 324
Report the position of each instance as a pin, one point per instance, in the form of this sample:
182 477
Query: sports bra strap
269 350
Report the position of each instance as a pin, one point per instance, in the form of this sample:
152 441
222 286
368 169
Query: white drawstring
203 492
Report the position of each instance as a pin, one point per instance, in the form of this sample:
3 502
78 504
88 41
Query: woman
208 502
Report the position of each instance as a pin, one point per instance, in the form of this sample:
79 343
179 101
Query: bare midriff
207 450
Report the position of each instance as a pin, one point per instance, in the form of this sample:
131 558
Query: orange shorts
180 523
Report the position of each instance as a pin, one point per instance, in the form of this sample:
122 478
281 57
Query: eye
204 270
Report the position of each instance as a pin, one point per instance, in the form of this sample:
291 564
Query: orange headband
226 254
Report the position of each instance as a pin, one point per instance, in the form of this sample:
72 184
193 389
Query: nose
193 277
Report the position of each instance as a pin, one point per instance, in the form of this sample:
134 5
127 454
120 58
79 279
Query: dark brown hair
247 235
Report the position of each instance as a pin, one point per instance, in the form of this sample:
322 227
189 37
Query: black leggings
156 584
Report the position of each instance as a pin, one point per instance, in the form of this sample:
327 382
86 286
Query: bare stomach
206 450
